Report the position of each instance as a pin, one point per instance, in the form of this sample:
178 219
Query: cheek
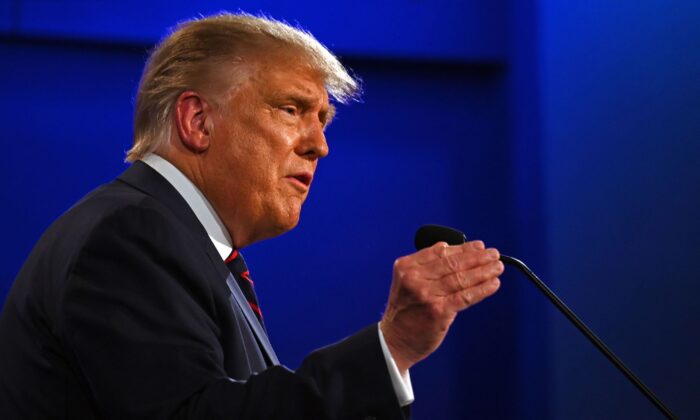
256 154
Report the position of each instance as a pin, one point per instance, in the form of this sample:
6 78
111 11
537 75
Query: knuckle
484 272
488 255
411 275
439 249
483 257
461 281
492 269
452 262
410 280
399 262
422 294
471 257
402 271
467 297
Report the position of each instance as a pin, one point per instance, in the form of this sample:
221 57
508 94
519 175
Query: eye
290 109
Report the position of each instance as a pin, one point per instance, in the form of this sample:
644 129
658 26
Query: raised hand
428 289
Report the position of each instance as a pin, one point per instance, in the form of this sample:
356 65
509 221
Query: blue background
564 133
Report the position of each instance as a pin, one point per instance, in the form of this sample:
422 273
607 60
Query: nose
313 143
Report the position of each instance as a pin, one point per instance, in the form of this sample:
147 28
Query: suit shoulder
112 203
112 212
114 200
110 218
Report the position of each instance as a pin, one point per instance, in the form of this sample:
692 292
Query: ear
192 113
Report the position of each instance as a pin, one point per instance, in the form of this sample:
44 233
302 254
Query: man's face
265 145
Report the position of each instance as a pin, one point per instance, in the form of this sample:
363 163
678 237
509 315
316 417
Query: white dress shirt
222 241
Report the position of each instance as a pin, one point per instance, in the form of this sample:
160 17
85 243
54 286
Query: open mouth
303 178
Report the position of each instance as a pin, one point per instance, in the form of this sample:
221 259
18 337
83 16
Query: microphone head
429 235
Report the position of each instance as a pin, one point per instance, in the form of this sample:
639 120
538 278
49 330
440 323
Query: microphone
429 235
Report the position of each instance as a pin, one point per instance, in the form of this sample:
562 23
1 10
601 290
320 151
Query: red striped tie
236 264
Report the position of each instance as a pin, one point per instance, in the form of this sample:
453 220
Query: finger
465 247
463 299
463 280
442 249
460 262
427 255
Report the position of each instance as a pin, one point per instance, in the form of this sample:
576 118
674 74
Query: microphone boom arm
590 335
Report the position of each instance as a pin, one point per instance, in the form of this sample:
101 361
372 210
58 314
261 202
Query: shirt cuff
401 383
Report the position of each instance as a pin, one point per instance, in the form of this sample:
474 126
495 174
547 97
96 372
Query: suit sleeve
138 322
352 376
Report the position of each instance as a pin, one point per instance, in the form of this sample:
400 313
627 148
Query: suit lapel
146 179
240 300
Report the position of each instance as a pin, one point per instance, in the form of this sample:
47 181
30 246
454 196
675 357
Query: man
137 304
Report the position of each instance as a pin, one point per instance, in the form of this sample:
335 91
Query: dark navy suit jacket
125 310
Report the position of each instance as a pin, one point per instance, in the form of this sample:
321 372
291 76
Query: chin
290 224
286 222
279 219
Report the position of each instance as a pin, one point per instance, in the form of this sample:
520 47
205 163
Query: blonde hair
191 57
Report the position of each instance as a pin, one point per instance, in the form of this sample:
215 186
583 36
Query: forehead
287 72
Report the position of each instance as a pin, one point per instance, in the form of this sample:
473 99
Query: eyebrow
298 98
307 102
329 115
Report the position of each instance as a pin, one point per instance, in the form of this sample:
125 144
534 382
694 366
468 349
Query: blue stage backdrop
564 134
621 144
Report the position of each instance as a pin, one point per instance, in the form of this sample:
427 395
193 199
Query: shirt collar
199 204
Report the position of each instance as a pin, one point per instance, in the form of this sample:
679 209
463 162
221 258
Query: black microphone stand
597 342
